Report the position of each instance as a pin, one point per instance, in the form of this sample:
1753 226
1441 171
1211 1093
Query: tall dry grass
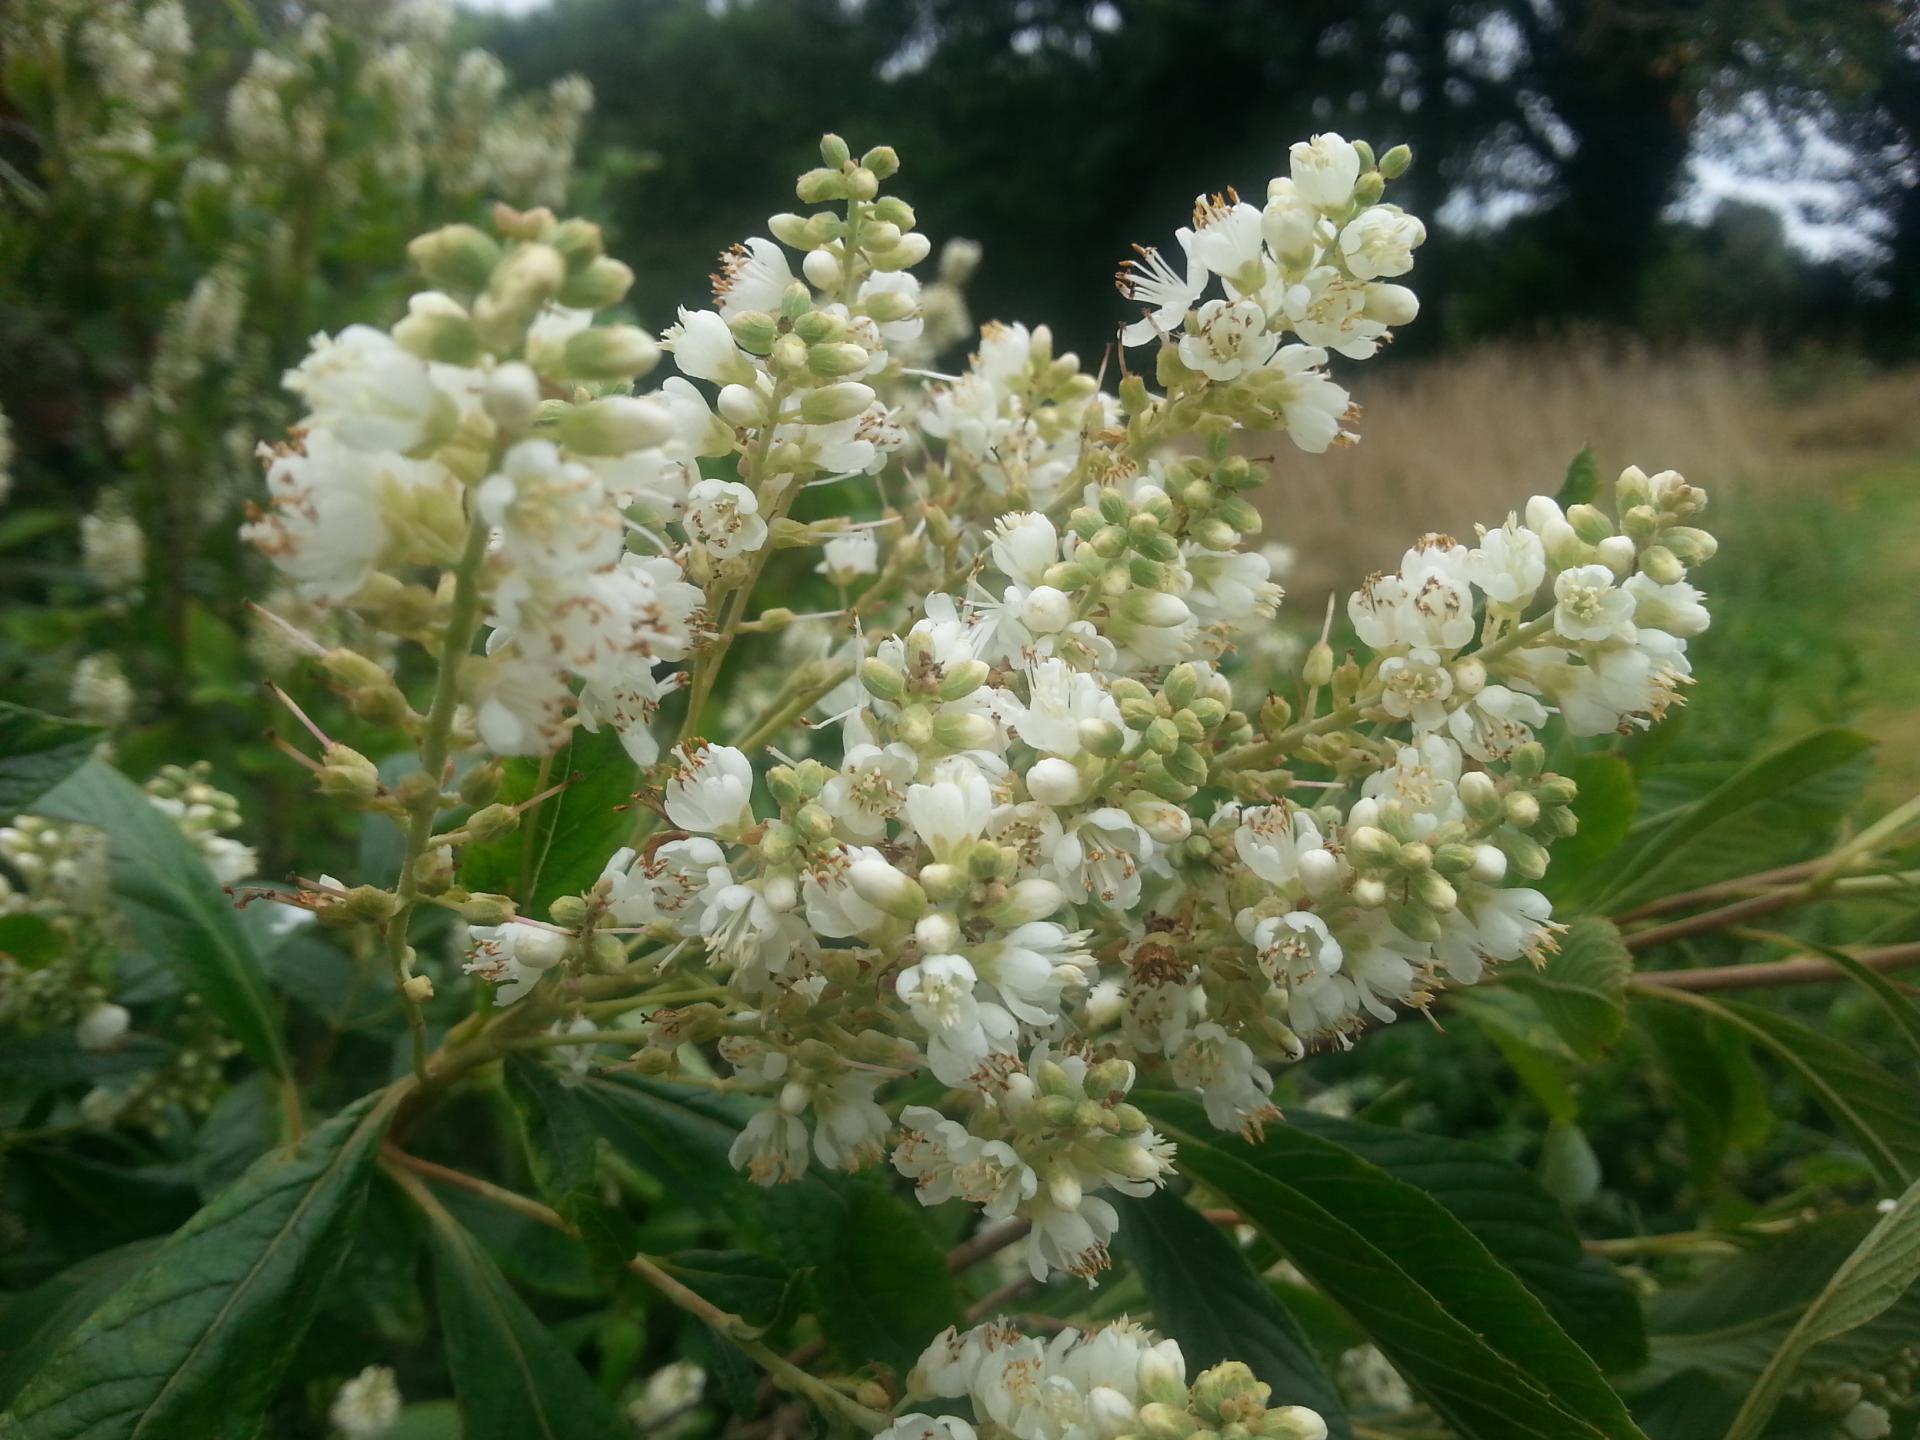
1465 438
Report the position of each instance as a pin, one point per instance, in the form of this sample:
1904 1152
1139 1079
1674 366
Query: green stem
463 617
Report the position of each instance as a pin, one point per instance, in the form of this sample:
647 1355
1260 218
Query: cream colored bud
882 160
459 258
936 933
742 405
835 360
821 187
597 286
1394 163
102 1028
822 270
1054 781
610 352
886 888
831 403
1027 900
616 425
511 397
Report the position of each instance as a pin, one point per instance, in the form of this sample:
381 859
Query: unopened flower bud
962 678
481 908
460 258
511 397
886 888
881 160
1028 900
1661 565
598 286
610 352
1054 781
834 151
964 732
1522 810
1616 552
417 988
102 1028
1394 163
616 425
346 774
936 933
845 358
821 187
831 403
490 822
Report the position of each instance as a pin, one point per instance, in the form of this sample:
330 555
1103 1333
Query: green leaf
1762 780
1879 1112
878 1280
1582 480
757 1288
1905 1014
675 1133
1527 1043
1709 1078
514 1380
1607 802
1207 1296
174 906
1582 990
1866 1285
33 1324
558 1136
30 941
196 1344
46 1062
1510 1213
1464 1331
562 843
37 752
1732 1319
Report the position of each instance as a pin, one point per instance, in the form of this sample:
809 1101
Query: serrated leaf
1582 480
513 1379
558 1137
196 1344
1731 1319
1867 1284
33 1324
1206 1295
754 1287
1460 1327
1709 1078
563 843
1517 1220
1608 800
1581 990
1760 781
175 907
37 752
879 1282
675 1133
1878 1111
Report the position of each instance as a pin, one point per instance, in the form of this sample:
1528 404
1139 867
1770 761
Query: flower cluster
1107 1384
1036 843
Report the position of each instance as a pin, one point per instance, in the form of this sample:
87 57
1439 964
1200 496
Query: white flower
1100 858
1231 338
1674 608
961 1031
370 392
846 556
1590 606
1495 721
1227 242
869 789
1024 545
1380 242
1167 295
703 348
1237 1093
1422 780
514 956
1283 846
724 515
1060 700
1508 565
1296 947
1310 403
752 276
1415 686
552 513
1324 169
771 1147
367 1406
950 814
1029 968
712 792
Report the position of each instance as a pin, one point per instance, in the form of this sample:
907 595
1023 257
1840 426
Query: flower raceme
1010 816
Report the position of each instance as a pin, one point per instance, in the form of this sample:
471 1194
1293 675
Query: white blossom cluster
1037 845
1108 1384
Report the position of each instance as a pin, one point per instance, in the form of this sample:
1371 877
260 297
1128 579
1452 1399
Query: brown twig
1798 970
969 1253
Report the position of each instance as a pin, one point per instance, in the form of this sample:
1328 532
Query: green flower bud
881 160
842 359
963 732
446 336
579 242
1661 565
481 908
963 678
1370 188
1395 162
1365 152
610 352
892 210
490 822
792 231
862 184
831 403
598 286
1187 765
883 682
568 911
346 774
834 151
886 306
457 258
616 425
821 187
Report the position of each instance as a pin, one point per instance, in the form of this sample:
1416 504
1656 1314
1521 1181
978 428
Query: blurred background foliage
1684 232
